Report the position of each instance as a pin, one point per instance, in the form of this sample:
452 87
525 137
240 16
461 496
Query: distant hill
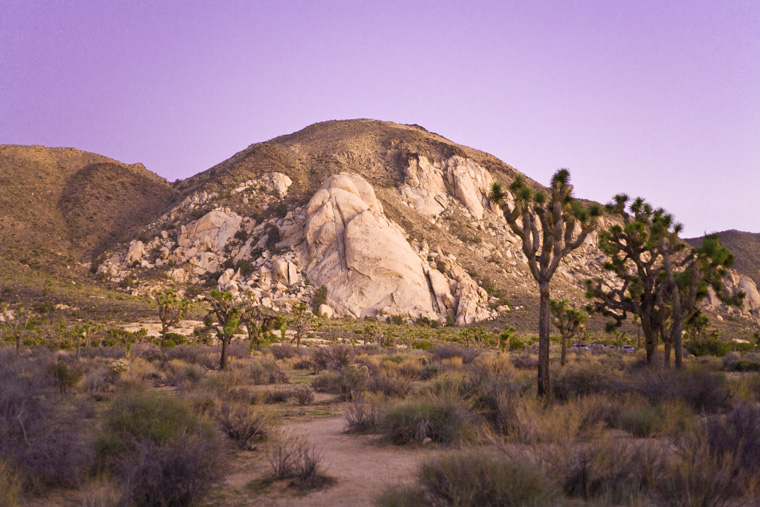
61 207
746 249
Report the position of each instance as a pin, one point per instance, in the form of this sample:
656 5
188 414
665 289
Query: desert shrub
244 425
64 375
136 416
402 496
98 383
334 357
179 471
304 395
708 347
284 351
607 470
294 458
10 484
737 433
443 419
194 354
278 395
326 382
581 379
389 385
347 383
640 420
703 390
361 415
699 477
441 352
42 436
267 372
181 374
524 361
477 479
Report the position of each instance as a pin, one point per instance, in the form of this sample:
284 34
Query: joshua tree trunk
223 360
544 386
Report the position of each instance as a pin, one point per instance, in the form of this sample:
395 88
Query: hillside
746 249
61 207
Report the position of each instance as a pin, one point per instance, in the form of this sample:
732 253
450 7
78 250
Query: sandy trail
361 466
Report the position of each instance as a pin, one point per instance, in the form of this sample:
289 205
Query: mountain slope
746 249
60 207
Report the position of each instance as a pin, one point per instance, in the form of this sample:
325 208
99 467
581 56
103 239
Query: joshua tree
225 316
505 338
569 321
550 227
171 310
303 322
661 278
258 321
16 321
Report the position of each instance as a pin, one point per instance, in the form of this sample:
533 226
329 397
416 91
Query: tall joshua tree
550 227
661 279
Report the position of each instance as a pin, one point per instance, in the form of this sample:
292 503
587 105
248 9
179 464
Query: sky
659 99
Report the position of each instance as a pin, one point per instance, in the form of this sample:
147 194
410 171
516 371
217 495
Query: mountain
369 218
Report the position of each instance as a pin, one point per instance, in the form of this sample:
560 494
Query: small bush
390 386
443 419
361 416
441 352
278 395
708 347
334 357
304 395
284 351
294 458
267 372
245 426
578 380
641 421
64 376
176 472
609 471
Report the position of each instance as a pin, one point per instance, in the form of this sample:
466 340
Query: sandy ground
360 464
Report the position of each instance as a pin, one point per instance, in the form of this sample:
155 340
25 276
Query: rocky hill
392 220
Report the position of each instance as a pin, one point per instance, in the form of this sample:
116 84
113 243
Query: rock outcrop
428 185
364 260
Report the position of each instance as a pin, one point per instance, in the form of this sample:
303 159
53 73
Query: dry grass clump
608 471
466 354
245 425
292 457
361 414
444 419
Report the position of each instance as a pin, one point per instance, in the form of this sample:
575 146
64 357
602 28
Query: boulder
362 258
135 252
211 231
326 312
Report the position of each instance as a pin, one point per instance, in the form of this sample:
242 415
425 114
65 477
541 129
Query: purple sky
653 98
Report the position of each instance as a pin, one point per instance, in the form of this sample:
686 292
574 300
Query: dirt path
361 466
